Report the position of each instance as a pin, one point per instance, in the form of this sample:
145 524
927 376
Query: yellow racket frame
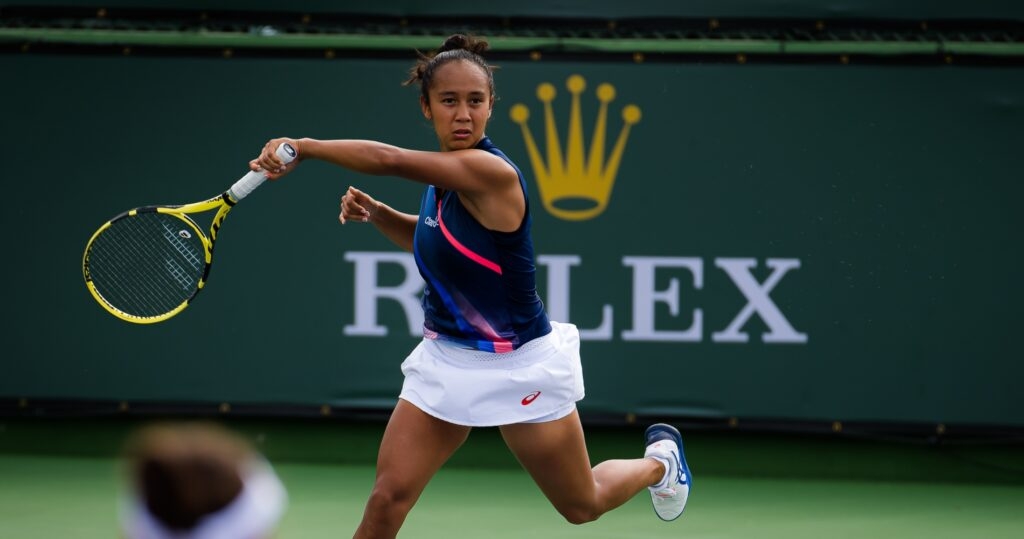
223 203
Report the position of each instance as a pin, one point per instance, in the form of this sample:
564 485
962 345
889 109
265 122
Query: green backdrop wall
780 241
806 9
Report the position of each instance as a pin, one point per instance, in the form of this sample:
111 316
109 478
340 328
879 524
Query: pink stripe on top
463 249
502 347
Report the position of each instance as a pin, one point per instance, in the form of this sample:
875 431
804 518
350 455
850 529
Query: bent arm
396 226
399 227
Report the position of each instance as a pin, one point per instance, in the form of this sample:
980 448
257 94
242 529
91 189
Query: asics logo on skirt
527 400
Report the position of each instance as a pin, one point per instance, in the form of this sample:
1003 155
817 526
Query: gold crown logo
575 186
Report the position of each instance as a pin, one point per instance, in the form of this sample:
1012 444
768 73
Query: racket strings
147 264
135 260
181 274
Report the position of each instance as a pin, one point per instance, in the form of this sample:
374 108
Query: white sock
664 479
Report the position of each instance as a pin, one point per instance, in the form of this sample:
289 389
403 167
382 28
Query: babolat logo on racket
576 183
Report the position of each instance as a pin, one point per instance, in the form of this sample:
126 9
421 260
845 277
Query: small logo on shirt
430 221
527 400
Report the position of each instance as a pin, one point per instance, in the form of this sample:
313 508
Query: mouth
462 133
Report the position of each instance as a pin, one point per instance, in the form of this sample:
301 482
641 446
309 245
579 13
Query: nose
462 112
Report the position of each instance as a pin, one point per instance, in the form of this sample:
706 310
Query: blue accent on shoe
662 431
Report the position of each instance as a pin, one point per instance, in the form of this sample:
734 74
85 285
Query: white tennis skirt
540 381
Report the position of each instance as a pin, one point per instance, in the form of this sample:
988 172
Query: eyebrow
452 92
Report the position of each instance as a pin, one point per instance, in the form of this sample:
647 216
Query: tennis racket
147 264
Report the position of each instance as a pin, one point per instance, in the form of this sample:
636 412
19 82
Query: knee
387 502
579 514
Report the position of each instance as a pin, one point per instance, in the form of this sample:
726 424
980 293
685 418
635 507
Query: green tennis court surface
60 479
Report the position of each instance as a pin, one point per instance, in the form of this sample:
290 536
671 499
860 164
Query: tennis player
198 481
489 356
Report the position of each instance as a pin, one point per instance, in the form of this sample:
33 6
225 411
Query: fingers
345 206
355 206
270 162
267 160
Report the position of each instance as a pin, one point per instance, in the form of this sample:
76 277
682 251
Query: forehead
460 76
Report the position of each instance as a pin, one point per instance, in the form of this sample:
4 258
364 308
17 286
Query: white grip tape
254 179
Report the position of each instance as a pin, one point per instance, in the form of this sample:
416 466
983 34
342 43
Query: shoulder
486 146
488 163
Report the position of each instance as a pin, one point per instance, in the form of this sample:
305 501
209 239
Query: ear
425 106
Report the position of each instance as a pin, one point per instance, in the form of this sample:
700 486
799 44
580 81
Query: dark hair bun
464 42
455 47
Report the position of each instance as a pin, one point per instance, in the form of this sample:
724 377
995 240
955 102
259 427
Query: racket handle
255 178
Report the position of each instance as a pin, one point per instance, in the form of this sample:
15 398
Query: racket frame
223 203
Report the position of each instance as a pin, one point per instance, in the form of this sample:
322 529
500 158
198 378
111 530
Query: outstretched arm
464 171
487 185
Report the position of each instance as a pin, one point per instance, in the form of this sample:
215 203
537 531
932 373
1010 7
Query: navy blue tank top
481 289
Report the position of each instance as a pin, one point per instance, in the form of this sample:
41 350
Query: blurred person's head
198 481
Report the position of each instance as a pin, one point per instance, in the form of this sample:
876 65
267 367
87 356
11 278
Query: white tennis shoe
669 496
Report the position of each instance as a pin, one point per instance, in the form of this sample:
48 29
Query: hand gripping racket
147 264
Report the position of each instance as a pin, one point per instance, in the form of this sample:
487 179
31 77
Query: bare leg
555 455
414 447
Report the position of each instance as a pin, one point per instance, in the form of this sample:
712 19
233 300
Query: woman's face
460 104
